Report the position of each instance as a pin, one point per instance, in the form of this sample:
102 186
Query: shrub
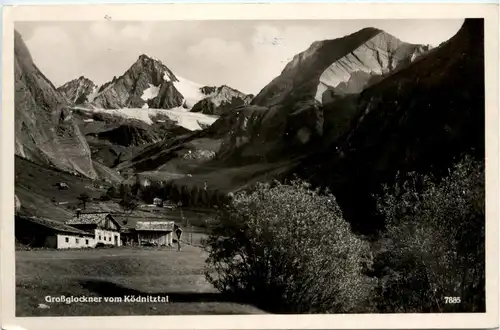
105 197
84 198
288 248
434 245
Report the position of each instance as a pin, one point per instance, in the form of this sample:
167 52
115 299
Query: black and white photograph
256 166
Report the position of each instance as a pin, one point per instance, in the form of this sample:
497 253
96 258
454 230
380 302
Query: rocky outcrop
168 97
332 67
220 100
79 91
141 83
45 131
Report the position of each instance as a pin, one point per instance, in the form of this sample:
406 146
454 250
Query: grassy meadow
117 272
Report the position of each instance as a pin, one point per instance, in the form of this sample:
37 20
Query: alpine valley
353 182
346 114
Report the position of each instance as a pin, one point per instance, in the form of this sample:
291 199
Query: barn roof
155 225
88 218
54 225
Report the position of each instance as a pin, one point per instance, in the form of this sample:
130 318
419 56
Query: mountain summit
148 83
79 91
220 100
140 84
340 66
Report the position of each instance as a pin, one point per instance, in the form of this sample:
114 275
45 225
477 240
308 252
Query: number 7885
452 300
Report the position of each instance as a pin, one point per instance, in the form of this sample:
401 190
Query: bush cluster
288 248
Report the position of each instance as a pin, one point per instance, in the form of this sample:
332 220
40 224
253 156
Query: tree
129 203
288 248
84 198
434 244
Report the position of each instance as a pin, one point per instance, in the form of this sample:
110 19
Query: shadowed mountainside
421 118
45 131
339 66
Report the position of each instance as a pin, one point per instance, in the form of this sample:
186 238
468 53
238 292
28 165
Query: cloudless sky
245 55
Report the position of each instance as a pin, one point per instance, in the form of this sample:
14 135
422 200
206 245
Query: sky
245 55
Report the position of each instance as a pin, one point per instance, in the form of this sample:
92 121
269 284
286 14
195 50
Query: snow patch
188 120
93 94
191 91
165 76
150 93
88 120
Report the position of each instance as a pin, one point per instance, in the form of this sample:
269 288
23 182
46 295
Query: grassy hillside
35 186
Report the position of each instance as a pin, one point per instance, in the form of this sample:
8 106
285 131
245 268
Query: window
86 242
77 240
66 239
99 237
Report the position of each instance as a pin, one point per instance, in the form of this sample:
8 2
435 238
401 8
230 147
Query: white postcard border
247 12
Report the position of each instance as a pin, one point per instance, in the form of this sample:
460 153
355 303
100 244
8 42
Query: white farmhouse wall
65 241
107 237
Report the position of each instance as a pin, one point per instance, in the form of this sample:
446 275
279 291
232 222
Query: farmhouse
102 225
41 232
154 232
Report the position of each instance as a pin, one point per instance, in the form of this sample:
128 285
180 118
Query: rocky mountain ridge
45 131
424 117
79 91
340 66
221 99
148 83
138 86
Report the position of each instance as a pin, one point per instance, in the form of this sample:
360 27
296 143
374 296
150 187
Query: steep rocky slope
421 118
113 137
45 131
79 91
339 66
298 101
220 100
148 83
